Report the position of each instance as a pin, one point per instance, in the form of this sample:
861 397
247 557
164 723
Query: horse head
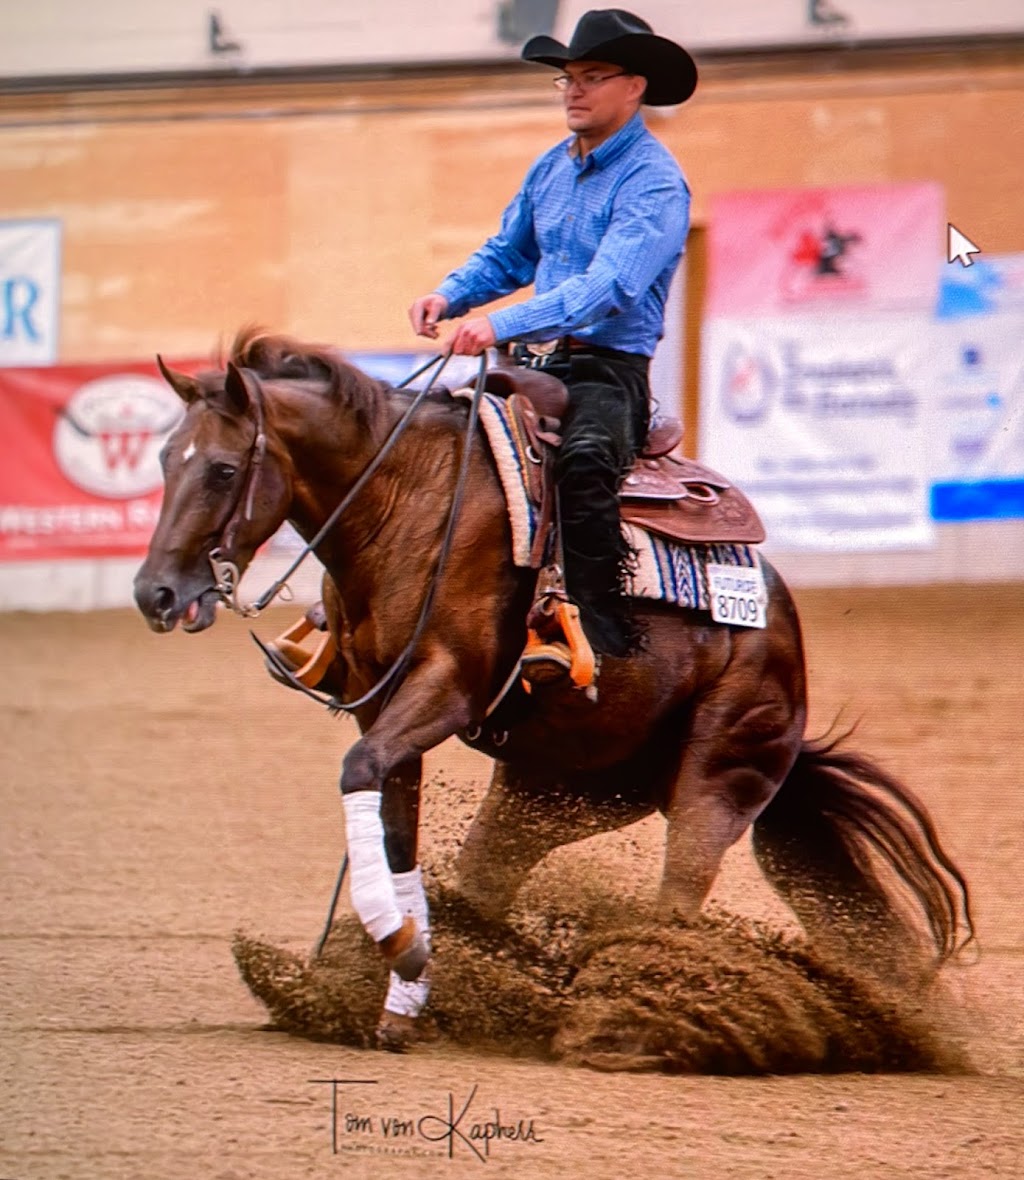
227 489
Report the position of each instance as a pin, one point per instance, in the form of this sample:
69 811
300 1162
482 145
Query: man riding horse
598 227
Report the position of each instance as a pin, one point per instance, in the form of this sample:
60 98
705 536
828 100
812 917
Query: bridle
225 571
226 575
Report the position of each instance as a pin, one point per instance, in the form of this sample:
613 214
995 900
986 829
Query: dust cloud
614 989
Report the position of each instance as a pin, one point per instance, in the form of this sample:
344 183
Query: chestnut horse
705 725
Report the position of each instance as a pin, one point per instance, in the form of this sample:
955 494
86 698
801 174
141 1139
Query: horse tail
820 841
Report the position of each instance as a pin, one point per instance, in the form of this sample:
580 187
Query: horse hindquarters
743 730
814 841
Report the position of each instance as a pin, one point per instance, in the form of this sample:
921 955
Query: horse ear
236 386
186 387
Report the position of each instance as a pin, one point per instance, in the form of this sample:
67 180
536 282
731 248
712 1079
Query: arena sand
159 795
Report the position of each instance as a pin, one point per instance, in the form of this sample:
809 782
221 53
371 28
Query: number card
738 595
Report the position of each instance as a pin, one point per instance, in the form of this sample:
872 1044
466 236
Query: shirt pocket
571 217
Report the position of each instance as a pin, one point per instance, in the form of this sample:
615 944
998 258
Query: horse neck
330 448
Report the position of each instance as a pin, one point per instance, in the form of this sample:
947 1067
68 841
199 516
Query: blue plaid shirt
600 239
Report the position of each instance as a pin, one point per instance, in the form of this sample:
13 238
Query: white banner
821 421
29 292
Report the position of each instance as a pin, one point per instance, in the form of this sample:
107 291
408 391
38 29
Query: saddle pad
522 514
665 571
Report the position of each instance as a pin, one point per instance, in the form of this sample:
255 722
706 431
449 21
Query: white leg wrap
371 888
409 998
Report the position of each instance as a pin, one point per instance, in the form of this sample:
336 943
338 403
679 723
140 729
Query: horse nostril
157 602
163 599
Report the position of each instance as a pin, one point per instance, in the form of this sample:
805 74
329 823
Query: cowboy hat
622 39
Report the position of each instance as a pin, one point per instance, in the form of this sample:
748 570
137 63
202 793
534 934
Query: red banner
79 459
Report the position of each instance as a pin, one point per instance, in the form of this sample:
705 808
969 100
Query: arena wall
322 207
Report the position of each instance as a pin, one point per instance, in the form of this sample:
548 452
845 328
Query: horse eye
222 472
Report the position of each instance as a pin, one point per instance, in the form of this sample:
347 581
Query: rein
394 673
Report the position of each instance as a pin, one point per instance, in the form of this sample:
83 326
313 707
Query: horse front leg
400 805
425 710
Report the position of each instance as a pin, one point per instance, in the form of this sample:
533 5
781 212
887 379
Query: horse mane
279 357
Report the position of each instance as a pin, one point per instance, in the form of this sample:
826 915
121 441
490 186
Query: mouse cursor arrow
960 246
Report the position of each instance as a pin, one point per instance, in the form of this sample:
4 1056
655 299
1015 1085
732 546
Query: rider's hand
473 337
425 312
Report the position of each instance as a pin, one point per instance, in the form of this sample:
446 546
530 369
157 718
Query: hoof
399 1034
406 951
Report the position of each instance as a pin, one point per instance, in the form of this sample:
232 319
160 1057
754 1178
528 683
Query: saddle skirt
677 514
685 501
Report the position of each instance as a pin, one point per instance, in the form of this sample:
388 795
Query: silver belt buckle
540 352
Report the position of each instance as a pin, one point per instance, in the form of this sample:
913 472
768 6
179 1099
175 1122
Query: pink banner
785 251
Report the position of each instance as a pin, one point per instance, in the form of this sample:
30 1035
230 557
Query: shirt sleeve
646 233
505 263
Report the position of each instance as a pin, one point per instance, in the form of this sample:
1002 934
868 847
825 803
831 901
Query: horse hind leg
743 738
524 816
836 820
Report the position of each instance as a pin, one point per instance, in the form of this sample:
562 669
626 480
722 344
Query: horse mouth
200 612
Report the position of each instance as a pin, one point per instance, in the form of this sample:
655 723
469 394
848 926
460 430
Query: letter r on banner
30 261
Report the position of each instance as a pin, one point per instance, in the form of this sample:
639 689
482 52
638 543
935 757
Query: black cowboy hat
622 39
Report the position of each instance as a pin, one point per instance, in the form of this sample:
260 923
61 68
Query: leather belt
539 355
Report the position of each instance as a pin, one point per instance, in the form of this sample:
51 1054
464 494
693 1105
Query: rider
598 227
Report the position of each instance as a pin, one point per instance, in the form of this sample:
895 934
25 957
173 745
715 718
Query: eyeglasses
585 81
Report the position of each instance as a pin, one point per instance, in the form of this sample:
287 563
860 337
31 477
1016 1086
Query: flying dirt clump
628 992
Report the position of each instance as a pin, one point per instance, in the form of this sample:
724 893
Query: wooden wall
324 208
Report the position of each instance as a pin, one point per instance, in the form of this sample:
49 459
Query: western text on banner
80 472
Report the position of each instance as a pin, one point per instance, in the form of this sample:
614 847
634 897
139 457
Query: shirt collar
613 147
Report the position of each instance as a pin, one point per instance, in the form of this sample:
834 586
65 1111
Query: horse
705 725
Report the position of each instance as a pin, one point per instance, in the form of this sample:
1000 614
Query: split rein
226 573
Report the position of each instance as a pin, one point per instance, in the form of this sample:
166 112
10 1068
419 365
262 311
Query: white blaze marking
189 451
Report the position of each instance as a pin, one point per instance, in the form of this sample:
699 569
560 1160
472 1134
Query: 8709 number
737 608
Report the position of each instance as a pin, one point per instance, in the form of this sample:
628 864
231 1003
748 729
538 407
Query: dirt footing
722 996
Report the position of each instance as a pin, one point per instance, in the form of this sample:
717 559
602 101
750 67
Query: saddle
677 498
